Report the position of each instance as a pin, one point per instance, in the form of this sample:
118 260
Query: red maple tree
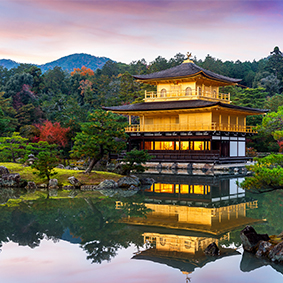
53 133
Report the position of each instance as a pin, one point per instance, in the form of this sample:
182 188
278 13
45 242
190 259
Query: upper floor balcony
187 94
191 127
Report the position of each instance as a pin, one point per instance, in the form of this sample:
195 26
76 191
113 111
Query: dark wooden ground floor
192 148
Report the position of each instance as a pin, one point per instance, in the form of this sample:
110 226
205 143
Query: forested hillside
67 63
29 97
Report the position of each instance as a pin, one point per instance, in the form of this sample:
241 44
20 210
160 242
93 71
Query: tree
16 83
103 133
272 124
251 97
274 102
55 81
53 133
38 82
268 174
134 159
45 163
84 71
12 147
274 65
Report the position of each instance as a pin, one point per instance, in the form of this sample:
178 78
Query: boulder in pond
264 248
53 184
212 250
276 254
128 181
10 180
31 186
3 170
74 181
250 238
107 184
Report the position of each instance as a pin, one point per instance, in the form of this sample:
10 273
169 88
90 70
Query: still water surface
156 235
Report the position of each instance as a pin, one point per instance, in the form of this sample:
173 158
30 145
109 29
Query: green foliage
12 147
45 163
251 97
272 124
133 160
267 174
103 133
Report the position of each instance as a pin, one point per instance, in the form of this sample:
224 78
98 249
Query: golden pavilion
187 119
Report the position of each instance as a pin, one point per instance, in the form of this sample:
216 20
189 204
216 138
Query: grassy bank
62 175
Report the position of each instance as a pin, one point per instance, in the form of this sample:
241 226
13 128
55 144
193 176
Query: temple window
162 241
148 145
184 189
188 91
163 92
199 90
185 145
164 145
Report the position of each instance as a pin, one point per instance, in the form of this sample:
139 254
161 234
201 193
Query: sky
36 31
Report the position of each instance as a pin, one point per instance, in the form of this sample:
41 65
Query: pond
155 235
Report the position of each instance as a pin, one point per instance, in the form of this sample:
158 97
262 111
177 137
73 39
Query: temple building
187 119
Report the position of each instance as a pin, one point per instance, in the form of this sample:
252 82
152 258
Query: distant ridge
67 63
7 63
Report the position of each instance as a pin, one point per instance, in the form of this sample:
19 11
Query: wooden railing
151 96
191 127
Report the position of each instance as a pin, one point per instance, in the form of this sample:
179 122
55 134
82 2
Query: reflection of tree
96 221
105 234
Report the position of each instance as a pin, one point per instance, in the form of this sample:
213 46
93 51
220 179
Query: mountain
67 63
7 63
70 62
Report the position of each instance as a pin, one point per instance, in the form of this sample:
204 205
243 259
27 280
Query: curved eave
168 108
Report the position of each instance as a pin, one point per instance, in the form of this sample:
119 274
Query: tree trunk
94 160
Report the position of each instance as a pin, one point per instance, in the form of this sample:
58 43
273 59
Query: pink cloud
137 28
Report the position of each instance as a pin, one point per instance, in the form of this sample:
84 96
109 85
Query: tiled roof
171 105
185 70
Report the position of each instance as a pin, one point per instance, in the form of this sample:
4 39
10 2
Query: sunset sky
35 31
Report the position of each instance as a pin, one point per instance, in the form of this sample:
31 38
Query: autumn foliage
53 133
84 71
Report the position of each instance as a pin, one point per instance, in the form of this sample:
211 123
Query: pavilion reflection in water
187 214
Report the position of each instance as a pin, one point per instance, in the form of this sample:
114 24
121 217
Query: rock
263 248
107 184
250 238
42 186
53 184
126 182
10 180
276 254
74 181
31 186
212 250
60 166
3 170
68 167
88 187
